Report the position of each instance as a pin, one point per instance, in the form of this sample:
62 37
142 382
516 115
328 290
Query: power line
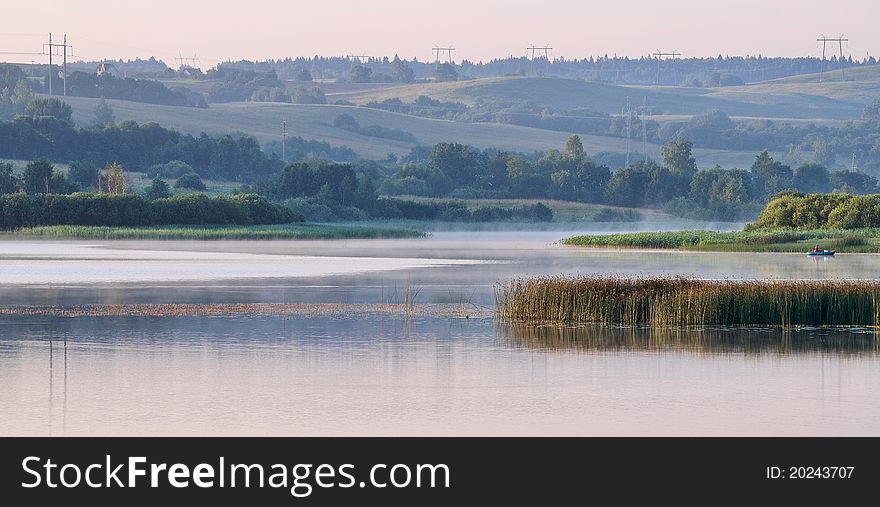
50 46
283 140
660 55
182 60
545 49
825 40
448 50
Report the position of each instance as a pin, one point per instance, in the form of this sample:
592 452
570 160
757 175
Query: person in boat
816 248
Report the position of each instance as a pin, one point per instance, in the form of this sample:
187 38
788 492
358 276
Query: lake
82 353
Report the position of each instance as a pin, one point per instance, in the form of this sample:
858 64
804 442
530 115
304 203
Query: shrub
190 181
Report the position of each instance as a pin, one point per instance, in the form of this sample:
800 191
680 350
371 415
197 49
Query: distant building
107 69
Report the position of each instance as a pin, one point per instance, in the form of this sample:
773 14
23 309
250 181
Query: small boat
821 252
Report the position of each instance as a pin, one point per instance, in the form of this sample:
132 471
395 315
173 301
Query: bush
825 211
190 181
173 169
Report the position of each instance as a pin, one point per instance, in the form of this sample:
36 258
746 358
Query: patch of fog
46 263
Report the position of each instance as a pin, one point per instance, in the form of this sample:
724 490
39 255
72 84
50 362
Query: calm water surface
379 375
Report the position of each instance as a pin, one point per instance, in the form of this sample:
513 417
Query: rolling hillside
800 97
263 121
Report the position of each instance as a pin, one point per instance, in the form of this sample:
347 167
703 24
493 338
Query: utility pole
182 60
448 50
50 47
645 131
64 65
284 140
545 49
628 129
660 55
825 40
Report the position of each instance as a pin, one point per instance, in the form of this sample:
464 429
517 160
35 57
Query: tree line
461 171
46 129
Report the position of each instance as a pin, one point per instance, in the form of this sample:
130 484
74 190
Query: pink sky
480 29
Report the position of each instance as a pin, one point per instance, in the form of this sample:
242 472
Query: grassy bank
285 231
689 302
760 240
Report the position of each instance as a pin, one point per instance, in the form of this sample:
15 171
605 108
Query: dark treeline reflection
699 340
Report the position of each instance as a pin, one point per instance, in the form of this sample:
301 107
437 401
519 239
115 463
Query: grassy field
800 97
846 241
659 301
286 231
262 121
137 182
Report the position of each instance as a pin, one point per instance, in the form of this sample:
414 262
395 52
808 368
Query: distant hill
790 98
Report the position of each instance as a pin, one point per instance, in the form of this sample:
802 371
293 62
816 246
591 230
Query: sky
220 30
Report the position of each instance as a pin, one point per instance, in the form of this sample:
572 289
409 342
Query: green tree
82 173
812 178
771 177
822 153
190 181
37 175
51 107
104 114
872 111
8 181
301 74
678 157
360 74
574 149
158 189
853 182
445 72
21 97
401 72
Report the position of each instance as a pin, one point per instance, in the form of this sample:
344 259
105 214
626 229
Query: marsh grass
183 232
756 240
659 301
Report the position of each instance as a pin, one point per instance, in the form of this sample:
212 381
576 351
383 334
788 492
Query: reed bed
752 240
285 231
659 301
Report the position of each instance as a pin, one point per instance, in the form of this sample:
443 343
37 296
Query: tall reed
690 302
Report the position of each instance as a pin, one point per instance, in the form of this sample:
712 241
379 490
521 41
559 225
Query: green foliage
360 74
303 95
83 174
173 169
51 107
82 84
445 72
828 211
158 189
104 114
678 157
88 209
348 122
8 180
401 72
136 146
190 181
812 178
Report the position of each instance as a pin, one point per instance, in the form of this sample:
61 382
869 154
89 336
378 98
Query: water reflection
701 340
